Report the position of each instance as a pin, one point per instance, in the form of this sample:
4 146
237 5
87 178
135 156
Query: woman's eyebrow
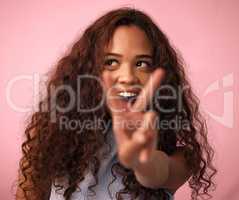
137 56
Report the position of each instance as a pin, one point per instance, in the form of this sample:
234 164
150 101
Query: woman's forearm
155 172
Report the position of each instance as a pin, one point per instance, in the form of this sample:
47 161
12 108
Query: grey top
104 178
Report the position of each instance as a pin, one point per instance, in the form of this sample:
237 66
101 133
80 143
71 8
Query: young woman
119 120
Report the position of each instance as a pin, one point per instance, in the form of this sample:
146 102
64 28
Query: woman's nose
127 75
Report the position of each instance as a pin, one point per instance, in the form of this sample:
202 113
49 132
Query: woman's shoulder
170 191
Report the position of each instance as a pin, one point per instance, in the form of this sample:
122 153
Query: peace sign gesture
134 129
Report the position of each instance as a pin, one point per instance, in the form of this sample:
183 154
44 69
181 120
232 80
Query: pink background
34 34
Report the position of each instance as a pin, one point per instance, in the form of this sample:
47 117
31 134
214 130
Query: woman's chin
120 105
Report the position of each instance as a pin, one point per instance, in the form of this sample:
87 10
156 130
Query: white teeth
127 94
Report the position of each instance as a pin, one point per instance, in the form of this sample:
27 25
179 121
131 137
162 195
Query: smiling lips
128 94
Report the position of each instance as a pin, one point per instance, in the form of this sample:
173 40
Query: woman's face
127 66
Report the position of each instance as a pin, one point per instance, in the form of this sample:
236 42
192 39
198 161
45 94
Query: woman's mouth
122 99
128 96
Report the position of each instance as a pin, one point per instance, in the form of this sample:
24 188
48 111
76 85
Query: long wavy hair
60 156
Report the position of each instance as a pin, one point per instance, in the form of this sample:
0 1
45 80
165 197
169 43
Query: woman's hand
134 129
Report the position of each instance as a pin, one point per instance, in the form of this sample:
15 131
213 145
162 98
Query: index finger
148 91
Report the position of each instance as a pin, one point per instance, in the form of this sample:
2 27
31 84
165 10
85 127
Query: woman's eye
110 63
143 64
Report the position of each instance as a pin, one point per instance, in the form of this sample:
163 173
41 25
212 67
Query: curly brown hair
54 155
